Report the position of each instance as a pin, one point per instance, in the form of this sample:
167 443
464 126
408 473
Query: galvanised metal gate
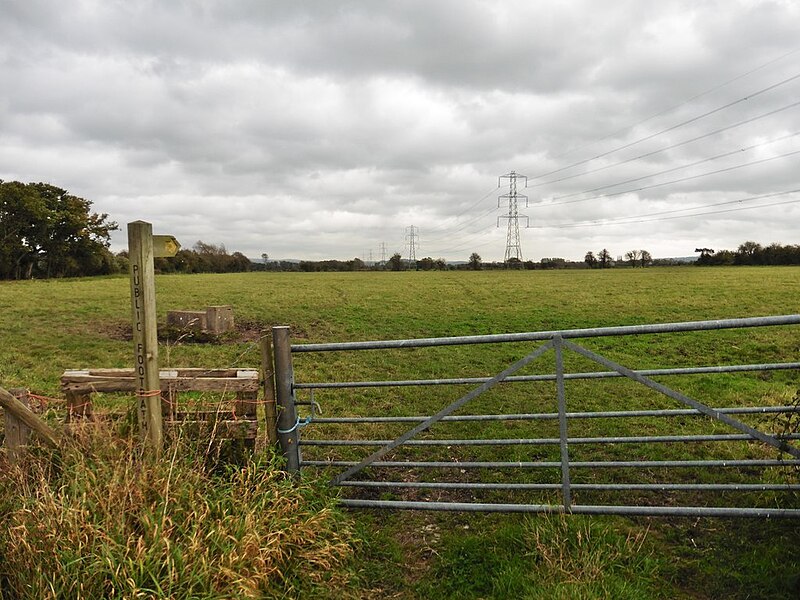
766 476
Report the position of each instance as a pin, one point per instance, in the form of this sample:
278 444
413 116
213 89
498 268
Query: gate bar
738 425
740 410
548 335
613 487
526 378
591 464
446 411
644 439
649 511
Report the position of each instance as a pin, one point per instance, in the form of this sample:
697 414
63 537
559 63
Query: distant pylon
513 248
383 252
412 235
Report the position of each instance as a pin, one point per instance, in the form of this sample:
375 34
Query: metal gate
758 480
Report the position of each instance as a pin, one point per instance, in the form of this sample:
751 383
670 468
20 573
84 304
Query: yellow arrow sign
165 246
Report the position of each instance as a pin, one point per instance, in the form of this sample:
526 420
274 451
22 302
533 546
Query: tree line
751 253
47 232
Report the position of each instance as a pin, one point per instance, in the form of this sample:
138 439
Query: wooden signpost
143 246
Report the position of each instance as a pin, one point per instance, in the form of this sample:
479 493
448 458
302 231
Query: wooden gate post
268 371
145 340
284 388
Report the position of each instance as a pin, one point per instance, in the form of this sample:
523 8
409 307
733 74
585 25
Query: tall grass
102 519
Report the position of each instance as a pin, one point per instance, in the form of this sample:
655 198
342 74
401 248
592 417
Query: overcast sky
325 129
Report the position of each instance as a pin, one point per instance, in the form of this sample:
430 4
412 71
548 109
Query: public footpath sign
165 246
143 246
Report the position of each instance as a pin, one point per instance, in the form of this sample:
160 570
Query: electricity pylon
412 235
513 248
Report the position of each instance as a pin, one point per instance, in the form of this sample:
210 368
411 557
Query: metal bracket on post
288 435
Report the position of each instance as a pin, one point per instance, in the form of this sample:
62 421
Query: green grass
55 325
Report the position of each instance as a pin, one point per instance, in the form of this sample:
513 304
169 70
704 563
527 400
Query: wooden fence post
284 389
145 340
79 406
17 433
14 407
268 371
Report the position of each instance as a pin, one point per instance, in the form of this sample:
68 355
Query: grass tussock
104 520
547 557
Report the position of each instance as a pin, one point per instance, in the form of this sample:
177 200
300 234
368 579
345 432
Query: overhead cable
673 127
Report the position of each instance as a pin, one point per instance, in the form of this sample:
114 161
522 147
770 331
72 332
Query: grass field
49 326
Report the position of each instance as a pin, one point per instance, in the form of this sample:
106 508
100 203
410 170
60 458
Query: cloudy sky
326 129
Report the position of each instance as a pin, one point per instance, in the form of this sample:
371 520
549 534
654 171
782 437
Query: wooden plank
77 374
24 414
174 372
90 383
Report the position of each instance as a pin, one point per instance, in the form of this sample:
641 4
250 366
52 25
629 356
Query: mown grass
51 326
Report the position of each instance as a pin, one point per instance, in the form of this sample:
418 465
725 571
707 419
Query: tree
47 232
475 261
553 263
425 264
590 259
239 263
705 255
604 258
645 258
632 256
748 253
396 262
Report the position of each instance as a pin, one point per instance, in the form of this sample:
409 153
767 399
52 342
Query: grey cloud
322 129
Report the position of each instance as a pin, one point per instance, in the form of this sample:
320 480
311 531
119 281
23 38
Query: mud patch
244 332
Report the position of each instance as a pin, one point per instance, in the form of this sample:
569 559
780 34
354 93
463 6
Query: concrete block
219 319
187 320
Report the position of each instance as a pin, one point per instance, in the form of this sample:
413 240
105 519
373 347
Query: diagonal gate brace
444 412
781 445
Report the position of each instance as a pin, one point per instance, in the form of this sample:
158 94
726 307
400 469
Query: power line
466 224
673 127
685 166
642 218
670 147
668 110
469 208
682 179
713 212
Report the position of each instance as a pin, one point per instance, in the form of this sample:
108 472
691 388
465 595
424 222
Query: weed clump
102 519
